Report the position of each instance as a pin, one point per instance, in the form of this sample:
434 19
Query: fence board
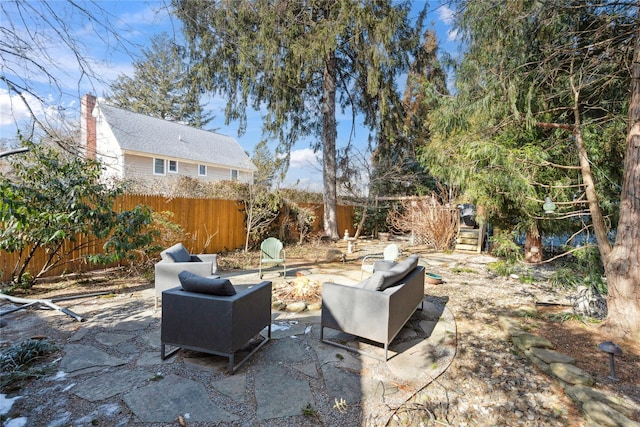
210 226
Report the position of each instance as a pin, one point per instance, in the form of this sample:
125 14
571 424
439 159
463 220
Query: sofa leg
233 369
231 359
164 355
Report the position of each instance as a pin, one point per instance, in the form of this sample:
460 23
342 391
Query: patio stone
285 350
159 401
233 386
279 394
110 384
80 356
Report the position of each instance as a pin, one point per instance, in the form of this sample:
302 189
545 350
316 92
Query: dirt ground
576 338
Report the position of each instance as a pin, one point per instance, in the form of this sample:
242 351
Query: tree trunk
329 146
622 265
604 246
533 246
362 221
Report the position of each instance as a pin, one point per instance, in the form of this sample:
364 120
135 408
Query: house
140 148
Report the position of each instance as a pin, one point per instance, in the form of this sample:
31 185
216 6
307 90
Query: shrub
582 268
503 245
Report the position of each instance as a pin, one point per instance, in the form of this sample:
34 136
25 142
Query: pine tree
161 86
298 61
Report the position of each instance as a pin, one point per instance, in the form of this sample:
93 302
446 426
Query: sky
109 55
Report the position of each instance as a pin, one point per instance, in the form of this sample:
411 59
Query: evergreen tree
297 60
161 86
540 110
268 165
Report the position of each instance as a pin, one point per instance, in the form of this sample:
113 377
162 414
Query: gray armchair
220 325
376 315
176 259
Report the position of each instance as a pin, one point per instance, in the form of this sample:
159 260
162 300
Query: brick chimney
88 125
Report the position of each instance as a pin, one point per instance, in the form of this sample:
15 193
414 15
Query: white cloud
158 15
305 171
452 35
13 109
446 14
304 158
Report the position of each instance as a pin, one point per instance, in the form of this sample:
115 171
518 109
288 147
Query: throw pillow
205 285
371 283
406 266
178 253
381 280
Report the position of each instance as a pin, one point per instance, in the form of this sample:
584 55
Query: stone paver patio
110 370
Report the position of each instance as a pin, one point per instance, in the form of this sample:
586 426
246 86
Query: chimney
88 125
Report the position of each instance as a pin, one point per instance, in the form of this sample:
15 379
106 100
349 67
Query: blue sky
136 22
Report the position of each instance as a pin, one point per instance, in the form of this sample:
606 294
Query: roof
162 138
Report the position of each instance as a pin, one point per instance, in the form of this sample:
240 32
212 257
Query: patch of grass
567 316
502 268
18 361
527 314
526 276
309 411
565 278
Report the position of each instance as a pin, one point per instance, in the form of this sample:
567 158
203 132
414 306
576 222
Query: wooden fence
209 226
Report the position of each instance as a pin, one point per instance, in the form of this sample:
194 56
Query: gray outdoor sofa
376 308
216 324
176 259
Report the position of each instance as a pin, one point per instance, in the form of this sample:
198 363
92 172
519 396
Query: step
467 240
465 247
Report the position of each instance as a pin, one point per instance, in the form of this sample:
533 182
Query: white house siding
107 150
244 176
217 173
140 167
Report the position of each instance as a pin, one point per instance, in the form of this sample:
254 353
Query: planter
432 279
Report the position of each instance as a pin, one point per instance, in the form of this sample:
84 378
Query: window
173 166
202 170
158 166
234 175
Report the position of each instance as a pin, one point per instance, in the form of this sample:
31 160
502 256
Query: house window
173 166
158 167
202 170
234 175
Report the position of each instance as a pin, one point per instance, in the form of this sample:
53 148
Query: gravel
488 383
